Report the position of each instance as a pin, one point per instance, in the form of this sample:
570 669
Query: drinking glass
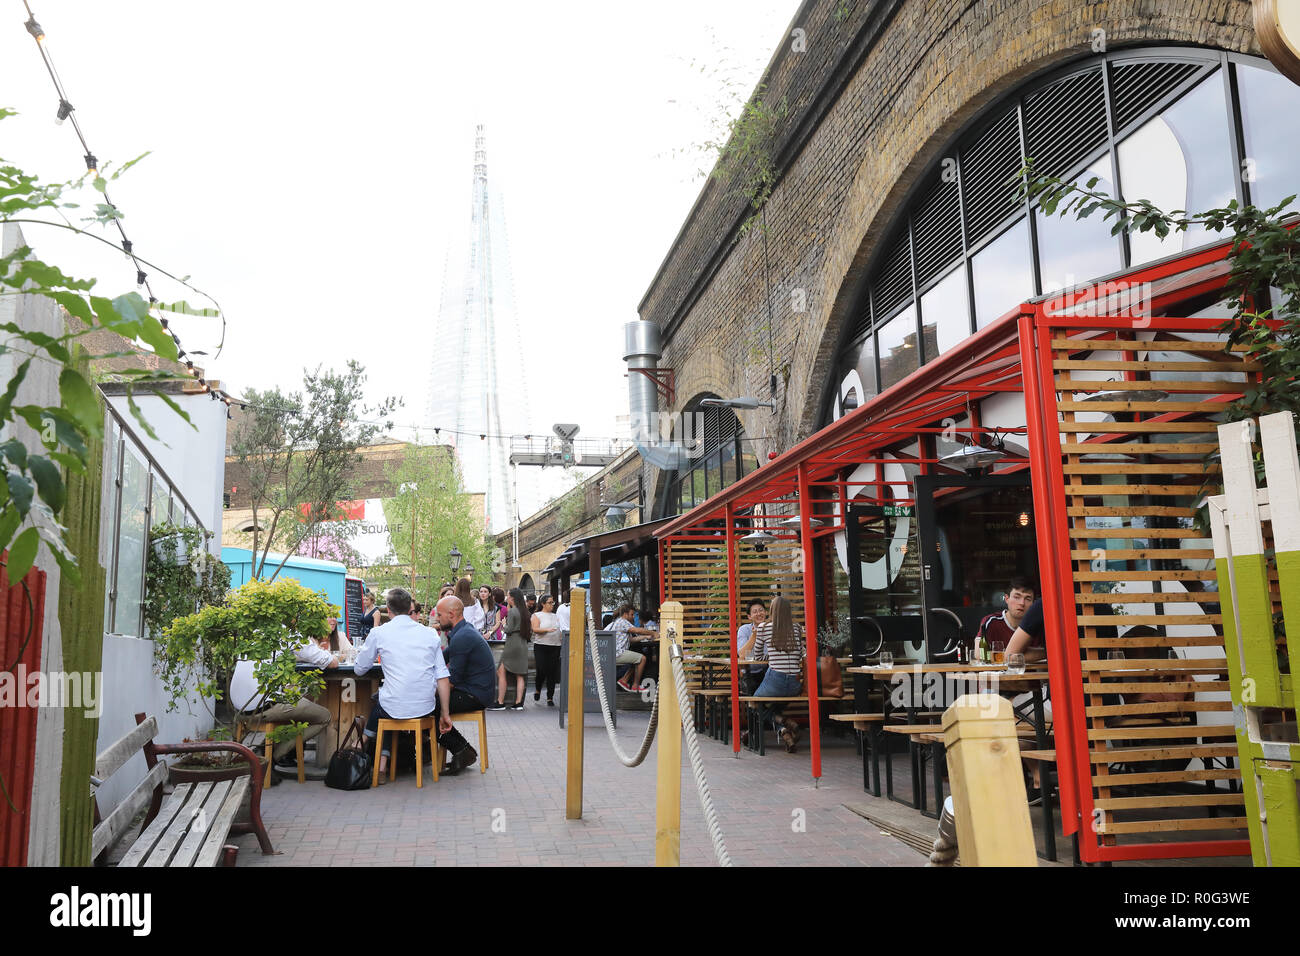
1015 663
999 652
886 658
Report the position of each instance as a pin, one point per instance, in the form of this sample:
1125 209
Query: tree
430 515
299 453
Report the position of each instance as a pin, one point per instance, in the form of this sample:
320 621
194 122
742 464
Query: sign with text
352 591
590 696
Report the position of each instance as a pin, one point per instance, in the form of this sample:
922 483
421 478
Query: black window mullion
1029 208
1236 131
1125 254
965 248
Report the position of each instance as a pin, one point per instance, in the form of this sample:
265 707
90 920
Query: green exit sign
898 511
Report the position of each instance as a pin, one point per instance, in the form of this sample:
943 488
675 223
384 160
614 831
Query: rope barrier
688 728
604 705
697 762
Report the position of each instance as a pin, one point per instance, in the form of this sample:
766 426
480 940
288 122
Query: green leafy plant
174 588
33 492
431 514
260 621
746 154
834 636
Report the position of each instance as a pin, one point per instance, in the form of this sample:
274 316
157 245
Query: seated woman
778 640
336 642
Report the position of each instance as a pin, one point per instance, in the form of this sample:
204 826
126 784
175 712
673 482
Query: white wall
193 458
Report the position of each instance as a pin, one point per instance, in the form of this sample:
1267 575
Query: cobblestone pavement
771 814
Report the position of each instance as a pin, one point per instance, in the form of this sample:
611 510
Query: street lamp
746 401
454 558
469 571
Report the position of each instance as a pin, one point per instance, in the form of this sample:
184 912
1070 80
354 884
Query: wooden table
345 696
1032 681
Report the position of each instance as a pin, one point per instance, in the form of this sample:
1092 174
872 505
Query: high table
345 696
1031 681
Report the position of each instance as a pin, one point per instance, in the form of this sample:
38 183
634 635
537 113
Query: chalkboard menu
352 591
605 641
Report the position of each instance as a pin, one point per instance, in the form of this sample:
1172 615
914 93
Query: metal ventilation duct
642 350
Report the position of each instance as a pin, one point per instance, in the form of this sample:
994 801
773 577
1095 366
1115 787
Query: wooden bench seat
190 827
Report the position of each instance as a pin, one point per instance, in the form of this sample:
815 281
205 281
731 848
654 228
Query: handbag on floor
350 767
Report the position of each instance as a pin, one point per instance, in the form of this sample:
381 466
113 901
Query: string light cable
111 212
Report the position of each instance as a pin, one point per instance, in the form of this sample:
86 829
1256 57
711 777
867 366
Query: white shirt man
417 681
562 617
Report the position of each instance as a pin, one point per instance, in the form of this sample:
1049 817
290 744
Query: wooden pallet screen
1132 410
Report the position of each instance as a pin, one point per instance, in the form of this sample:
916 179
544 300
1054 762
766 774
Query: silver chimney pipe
643 347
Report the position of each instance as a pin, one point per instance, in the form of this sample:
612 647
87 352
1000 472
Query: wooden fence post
988 788
668 789
577 678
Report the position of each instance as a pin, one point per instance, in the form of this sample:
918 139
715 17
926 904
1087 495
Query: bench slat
146 841
221 825
118 821
202 822
107 763
166 847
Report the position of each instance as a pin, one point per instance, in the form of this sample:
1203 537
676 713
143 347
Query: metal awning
612 547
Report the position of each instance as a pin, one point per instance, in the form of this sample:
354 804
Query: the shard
477 394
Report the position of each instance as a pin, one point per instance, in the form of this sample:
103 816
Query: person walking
519 631
546 648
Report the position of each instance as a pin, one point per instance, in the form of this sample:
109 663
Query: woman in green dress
519 632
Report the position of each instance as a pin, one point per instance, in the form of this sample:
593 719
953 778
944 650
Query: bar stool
265 728
475 716
418 724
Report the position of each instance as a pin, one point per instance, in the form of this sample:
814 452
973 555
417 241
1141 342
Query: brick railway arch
863 240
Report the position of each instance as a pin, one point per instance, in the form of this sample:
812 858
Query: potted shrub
260 621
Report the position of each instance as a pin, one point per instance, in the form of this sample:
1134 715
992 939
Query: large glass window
945 314
1164 118
1073 250
1270 109
1002 274
131 543
1181 159
897 346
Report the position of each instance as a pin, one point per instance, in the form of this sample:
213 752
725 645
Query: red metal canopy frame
1012 354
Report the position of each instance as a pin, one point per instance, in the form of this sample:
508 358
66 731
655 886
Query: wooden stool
243 727
417 724
480 717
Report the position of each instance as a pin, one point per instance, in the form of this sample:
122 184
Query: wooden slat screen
1154 701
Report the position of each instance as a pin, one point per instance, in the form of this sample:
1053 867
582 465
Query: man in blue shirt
473 675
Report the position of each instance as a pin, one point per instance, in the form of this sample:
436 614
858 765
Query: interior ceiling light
794 522
975 458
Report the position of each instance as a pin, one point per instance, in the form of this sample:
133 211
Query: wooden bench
1046 760
189 827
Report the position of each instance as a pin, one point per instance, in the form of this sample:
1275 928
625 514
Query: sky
310 163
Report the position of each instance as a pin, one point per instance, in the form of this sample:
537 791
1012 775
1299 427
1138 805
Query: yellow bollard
668 788
577 677
988 789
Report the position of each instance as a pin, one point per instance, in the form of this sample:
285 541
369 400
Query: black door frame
925 487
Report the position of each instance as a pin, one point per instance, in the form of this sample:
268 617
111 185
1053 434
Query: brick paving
514 814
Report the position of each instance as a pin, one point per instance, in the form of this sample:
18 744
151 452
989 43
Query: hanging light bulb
1023 519
65 110
92 164
35 30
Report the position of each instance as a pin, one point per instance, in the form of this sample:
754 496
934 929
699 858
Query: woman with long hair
519 632
473 612
494 632
778 640
546 648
